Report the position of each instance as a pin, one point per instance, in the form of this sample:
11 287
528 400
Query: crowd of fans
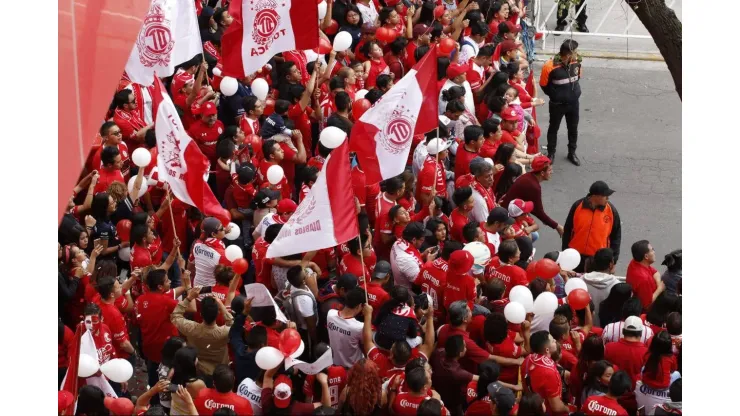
412 309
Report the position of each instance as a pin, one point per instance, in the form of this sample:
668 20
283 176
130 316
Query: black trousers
557 111
563 8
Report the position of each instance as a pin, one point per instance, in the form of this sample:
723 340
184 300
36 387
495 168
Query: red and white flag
180 162
168 37
326 217
381 138
263 28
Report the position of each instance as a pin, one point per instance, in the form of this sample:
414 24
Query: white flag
168 37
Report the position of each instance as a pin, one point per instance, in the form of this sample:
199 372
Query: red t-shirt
206 137
386 369
350 264
262 265
510 274
382 225
209 400
602 406
458 221
459 287
544 378
273 337
376 68
153 312
117 324
661 379
433 281
376 296
337 380
107 177
407 405
97 164
489 148
640 277
188 119
507 349
426 181
303 123
628 355
462 161
140 257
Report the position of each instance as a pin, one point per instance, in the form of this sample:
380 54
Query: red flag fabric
382 137
180 162
263 28
71 384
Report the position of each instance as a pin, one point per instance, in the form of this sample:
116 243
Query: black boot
559 28
551 156
574 159
582 28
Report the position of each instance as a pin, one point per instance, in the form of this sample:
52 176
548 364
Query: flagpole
436 167
362 261
172 218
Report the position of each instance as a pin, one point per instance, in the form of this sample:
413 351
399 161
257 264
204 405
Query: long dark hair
664 304
489 90
184 366
595 372
432 225
591 351
352 8
525 251
91 401
99 206
610 308
170 348
531 405
488 372
660 346
399 296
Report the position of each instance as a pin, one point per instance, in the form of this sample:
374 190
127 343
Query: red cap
120 406
282 391
439 11
456 69
286 205
508 46
509 114
420 29
64 400
461 262
180 80
519 207
208 108
540 163
513 28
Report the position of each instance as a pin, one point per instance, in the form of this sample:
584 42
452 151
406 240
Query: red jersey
459 287
337 380
628 355
103 343
386 368
153 312
188 119
426 181
377 67
474 355
376 296
661 379
97 164
433 281
249 126
141 257
209 400
206 137
458 220
113 318
107 177
300 117
510 274
129 122
544 378
383 224
407 405
475 76
602 406
489 148
462 161
351 264
273 337
262 265
507 349
640 277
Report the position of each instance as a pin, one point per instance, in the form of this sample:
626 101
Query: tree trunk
666 30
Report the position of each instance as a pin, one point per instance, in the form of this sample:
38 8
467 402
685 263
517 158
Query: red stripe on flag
363 144
231 43
427 79
341 196
305 28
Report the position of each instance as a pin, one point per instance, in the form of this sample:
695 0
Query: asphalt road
630 137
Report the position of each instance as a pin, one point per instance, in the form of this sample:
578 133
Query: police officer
559 80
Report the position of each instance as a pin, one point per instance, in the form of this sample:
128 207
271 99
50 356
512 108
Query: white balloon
124 253
234 233
575 283
569 259
521 294
332 137
229 86
545 304
515 313
260 88
142 190
216 72
299 351
141 157
234 252
360 94
268 358
118 370
87 366
342 41
275 174
322 9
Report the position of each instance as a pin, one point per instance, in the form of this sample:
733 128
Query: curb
635 56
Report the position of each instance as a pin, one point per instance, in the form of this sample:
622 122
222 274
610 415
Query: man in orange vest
592 224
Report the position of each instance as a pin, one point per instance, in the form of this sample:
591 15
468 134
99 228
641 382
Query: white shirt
369 13
345 335
267 221
541 322
493 238
206 260
404 264
480 208
613 333
469 103
420 155
303 306
469 50
252 392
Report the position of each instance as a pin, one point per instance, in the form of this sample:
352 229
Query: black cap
266 195
502 396
207 11
210 225
347 281
382 268
415 230
500 214
600 188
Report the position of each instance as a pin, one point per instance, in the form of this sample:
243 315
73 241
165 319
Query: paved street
630 137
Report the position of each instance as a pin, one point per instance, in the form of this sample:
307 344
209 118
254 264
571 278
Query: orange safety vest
591 229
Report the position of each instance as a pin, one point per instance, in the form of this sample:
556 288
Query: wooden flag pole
362 261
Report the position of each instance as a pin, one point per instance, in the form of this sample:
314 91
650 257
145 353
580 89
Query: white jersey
345 335
252 392
613 333
267 221
206 256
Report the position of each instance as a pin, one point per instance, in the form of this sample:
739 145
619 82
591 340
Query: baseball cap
266 195
508 114
633 323
508 46
502 396
120 406
347 281
180 79
540 163
461 261
456 69
210 225
512 27
445 120
282 391
369 28
415 230
382 268
64 400
600 188
420 29
286 205
208 108
500 214
437 145
480 251
519 207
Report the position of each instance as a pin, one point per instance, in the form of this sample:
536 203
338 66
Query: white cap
445 120
481 253
437 145
633 323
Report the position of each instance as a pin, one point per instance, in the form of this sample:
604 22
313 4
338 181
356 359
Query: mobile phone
206 289
173 387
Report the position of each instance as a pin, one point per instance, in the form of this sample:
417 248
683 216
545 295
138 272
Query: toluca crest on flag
326 217
180 162
168 37
263 28
382 137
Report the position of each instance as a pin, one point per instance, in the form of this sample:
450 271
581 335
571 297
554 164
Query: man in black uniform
559 80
